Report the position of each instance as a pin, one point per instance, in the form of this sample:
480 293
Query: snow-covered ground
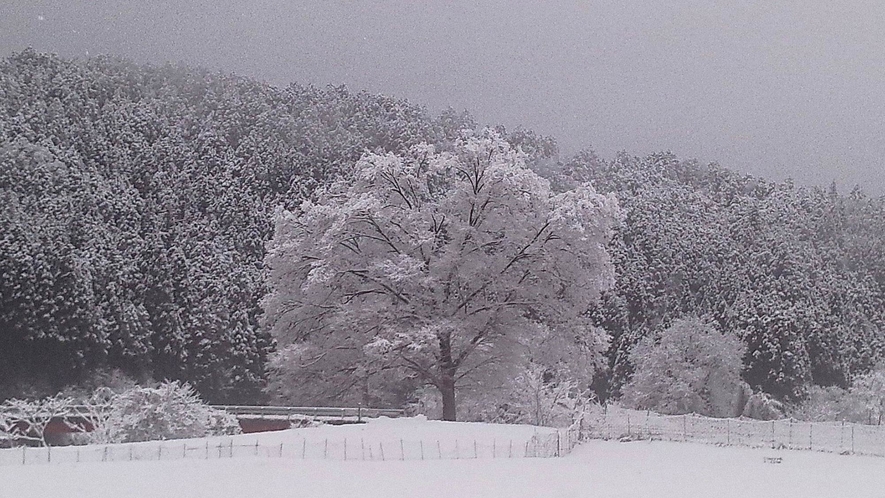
596 468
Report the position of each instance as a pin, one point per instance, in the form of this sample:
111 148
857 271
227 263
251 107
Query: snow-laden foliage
863 402
24 420
763 406
690 368
135 203
796 272
540 377
169 411
428 259
869 391
826 404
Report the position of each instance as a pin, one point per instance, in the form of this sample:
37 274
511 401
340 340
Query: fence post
810 436
130 452
684 428
629 432
438 449
49 454
207 449
773 442
494 449
325 448
510 449
381 446
558 443
281 450
842 436
647 432
256 447
362 449
458 453
728 431
790 437
345 449
402 451
422 449
160 452
852 438
526 454
474 449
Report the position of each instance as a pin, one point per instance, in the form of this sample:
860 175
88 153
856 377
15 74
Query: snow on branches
431 257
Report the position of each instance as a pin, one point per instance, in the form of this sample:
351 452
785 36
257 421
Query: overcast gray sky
787 88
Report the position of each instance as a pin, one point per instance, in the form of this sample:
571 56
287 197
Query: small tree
429 259
689 368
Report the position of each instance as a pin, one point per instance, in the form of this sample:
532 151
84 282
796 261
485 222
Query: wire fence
835 437
541 445
597 423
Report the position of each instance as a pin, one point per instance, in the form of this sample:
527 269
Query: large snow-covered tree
430 258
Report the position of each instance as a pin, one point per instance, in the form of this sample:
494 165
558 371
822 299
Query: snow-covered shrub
869 391
862 403
690 368
761 406
832 403
26 420
169 411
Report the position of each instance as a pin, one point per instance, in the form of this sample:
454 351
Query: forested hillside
136 202
797 273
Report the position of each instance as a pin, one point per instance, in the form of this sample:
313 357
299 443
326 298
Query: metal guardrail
76 411
312 411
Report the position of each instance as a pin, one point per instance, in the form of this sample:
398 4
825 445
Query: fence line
541 445
835 437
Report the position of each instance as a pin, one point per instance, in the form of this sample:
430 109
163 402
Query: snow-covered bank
597 468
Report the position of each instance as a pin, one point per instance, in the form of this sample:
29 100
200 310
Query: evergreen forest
137 203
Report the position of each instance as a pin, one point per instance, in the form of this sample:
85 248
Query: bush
690 368
761 406
169 411
869 391
863 403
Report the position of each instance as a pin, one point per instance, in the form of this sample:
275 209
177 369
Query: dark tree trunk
447 370
447 388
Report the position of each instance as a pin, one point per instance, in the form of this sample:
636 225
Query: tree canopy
430 258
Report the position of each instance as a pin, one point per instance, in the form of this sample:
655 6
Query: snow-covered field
596 468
